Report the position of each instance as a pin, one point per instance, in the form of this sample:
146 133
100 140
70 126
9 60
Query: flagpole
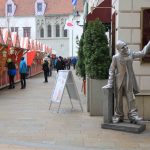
74 3
72 43
72 36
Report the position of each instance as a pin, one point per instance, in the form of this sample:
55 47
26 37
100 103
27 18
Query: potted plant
97 62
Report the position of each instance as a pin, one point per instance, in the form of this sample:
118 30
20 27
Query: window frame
40 11
41 32
65 32
145 36
57 30
49 31
38 8
27 32
9 8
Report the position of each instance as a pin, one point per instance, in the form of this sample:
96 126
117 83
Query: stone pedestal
108 105
96 97
125 126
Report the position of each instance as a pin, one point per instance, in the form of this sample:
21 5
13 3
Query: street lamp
76 20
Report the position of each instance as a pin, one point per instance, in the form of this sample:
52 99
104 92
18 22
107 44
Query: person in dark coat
11 73
46 70
68 61
59 64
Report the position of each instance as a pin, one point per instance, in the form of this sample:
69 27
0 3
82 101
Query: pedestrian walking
46 70
68 62
50 65
59 64
11 73
23 72
74 62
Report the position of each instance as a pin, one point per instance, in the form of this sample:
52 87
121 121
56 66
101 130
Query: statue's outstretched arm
142 53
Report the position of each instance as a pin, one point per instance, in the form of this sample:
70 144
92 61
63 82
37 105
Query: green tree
80 67
96 51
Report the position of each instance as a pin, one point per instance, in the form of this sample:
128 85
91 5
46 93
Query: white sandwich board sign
65 79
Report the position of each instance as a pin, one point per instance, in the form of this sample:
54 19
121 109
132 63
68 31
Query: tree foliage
96 51
93 54
80 67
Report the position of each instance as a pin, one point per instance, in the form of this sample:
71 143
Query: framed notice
60 86
65 79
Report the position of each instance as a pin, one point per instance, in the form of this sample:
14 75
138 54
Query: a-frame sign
65 79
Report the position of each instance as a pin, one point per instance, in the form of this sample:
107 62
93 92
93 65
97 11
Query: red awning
101 12
30 57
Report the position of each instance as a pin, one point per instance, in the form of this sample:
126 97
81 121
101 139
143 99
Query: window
9 8
145 31
14 29
26 32
57 31
39 7
49 31
65 33
42 33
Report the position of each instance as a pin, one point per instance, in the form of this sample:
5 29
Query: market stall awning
101 12
1 38
35 44
7 37
15 39
30 57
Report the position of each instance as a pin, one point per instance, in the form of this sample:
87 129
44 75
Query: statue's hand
107 86
148 46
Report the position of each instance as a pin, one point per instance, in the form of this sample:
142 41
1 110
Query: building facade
130 23
131 20
43 20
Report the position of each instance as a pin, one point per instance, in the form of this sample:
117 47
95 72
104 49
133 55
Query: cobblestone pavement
27 124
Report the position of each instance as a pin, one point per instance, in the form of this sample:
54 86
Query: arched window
42 32
57 30
65 32
49 31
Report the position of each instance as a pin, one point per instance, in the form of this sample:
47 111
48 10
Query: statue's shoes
135 119
117 119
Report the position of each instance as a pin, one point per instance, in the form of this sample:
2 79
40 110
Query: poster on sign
60 86
65 79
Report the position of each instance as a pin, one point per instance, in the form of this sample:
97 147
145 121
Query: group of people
59 63
11 71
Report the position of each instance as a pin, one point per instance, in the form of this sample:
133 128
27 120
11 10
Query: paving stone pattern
27 124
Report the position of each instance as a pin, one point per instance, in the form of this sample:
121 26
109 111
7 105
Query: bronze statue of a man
122 79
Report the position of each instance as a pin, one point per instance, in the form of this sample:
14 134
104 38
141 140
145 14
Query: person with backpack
11 73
